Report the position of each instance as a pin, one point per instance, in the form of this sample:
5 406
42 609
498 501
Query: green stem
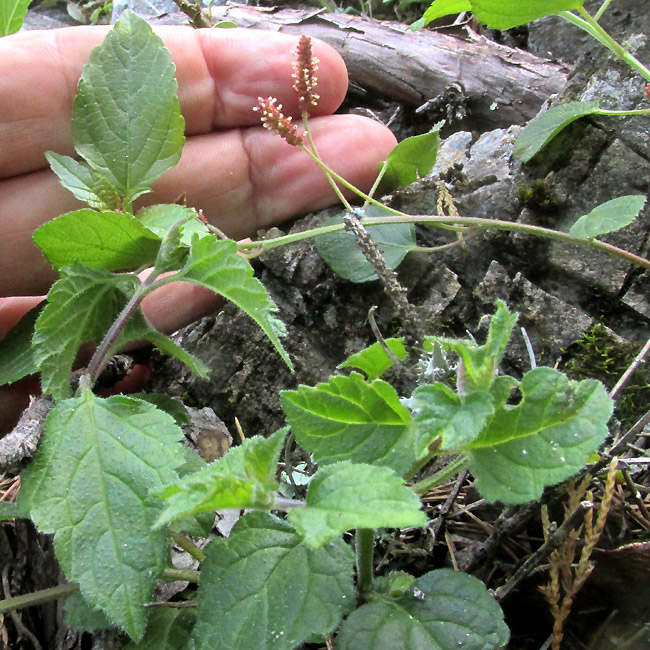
602 10
591 26
38 597
454 222
184 542
101 356
65 590
324 168
637 111
441 476
365 542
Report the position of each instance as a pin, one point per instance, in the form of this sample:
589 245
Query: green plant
114 485
499 15
12 14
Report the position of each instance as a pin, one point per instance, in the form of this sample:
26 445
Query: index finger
220 73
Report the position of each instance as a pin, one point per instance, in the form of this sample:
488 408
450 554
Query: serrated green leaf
348 418
168 629
480 362
352 495
89 485
139 328
374 360
16 354
113 241
441 412
498 14
609 216
243 478
126 120
542 440
442 610
216 265
86 184
160 218
12 15
411 159
541 130
263 588
342 254
81 617
81 306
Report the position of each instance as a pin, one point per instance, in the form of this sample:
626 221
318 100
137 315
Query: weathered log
503 86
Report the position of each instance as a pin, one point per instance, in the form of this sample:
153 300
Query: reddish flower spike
304 75
273 120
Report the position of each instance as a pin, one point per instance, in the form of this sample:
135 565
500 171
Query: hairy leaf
85 183
442 610
498 14
341 252
347 495
215 264
113 241
13 511
541 130
374 360
81 306
542 440
81 617
160 218
480 362
89 485
411 159
12 14
348 418
609 216
168 629
126 119
263 588
441 412
243 478
16 354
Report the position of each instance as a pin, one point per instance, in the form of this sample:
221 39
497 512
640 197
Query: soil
582 311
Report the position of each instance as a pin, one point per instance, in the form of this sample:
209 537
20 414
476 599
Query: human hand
242 177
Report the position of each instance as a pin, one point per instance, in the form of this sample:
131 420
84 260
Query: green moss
540 198
599 355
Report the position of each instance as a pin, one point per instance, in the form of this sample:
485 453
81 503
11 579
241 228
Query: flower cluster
273 120
304 69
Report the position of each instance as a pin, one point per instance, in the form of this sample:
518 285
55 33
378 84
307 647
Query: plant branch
365 541
591 26
445 221
441 476
100 357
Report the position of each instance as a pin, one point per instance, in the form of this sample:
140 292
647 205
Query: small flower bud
646 94
304 69
273 120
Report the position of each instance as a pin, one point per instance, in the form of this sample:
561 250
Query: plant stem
454 221
591 26
602 10
324 168
637 111
68 588
100 357
38 597
441 476
365 541
184 542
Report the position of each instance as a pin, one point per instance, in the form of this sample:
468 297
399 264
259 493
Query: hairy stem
365 541
454 222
